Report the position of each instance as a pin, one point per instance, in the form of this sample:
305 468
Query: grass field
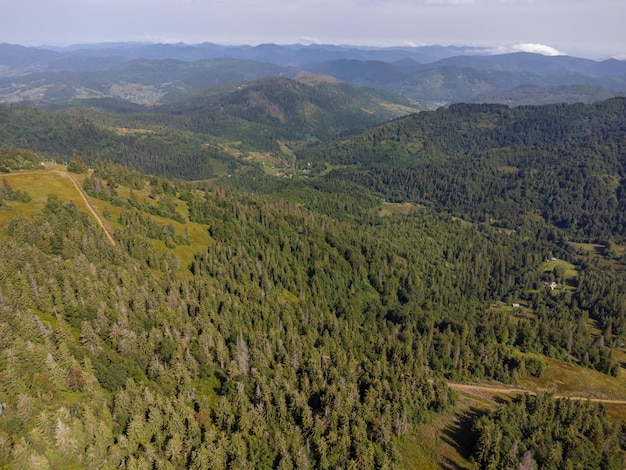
599 253
572 380
570 272
446 442
56 180
39 184
390 208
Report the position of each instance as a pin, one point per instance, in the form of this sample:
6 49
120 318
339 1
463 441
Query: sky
586 28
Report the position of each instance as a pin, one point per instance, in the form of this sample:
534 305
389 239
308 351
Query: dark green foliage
118 174
137 221
13 158
497 164
186 139
7 193
57 134
78 165
309 330
309 326
273 331
541 432
289 109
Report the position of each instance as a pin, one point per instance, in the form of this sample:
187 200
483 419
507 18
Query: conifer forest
184 291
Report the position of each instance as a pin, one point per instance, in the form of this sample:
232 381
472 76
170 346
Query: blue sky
575 27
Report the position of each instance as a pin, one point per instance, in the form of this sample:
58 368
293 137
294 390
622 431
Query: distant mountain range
432 75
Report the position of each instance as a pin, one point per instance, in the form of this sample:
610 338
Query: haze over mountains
431 75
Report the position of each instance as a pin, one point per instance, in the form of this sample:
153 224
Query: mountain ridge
433 74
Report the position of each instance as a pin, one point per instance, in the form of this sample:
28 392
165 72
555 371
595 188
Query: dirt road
80 190
478 389
96 216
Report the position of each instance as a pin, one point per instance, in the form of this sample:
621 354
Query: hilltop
317 320
256 126
563 164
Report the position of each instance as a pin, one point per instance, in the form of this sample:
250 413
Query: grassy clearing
520 310
398 109
129 131
288 298
198 235
446 442
419 451
599 253
403 208
509 169
464 223
572 380
592 249
569 269
39 184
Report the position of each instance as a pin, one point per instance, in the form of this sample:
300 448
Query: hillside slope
306 322
247 127
563 163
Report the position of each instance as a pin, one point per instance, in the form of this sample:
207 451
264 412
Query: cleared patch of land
391 208
447 440
68 187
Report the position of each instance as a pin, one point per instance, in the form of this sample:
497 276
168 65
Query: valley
300 273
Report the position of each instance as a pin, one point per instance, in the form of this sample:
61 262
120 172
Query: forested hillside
491 163
245 127
312 322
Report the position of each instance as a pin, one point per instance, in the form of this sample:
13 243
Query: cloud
536 49
525 47
409 43
308 41
583 26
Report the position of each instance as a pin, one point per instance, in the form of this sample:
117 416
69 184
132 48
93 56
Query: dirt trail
89 206
80 190
518 391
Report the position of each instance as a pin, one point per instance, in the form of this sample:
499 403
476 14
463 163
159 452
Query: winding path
518 391
95 214
80 190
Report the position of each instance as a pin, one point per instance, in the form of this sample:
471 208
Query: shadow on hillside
460 436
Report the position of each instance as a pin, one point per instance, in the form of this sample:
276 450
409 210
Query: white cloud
583 25
409 43
525 47
308 41
536 49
